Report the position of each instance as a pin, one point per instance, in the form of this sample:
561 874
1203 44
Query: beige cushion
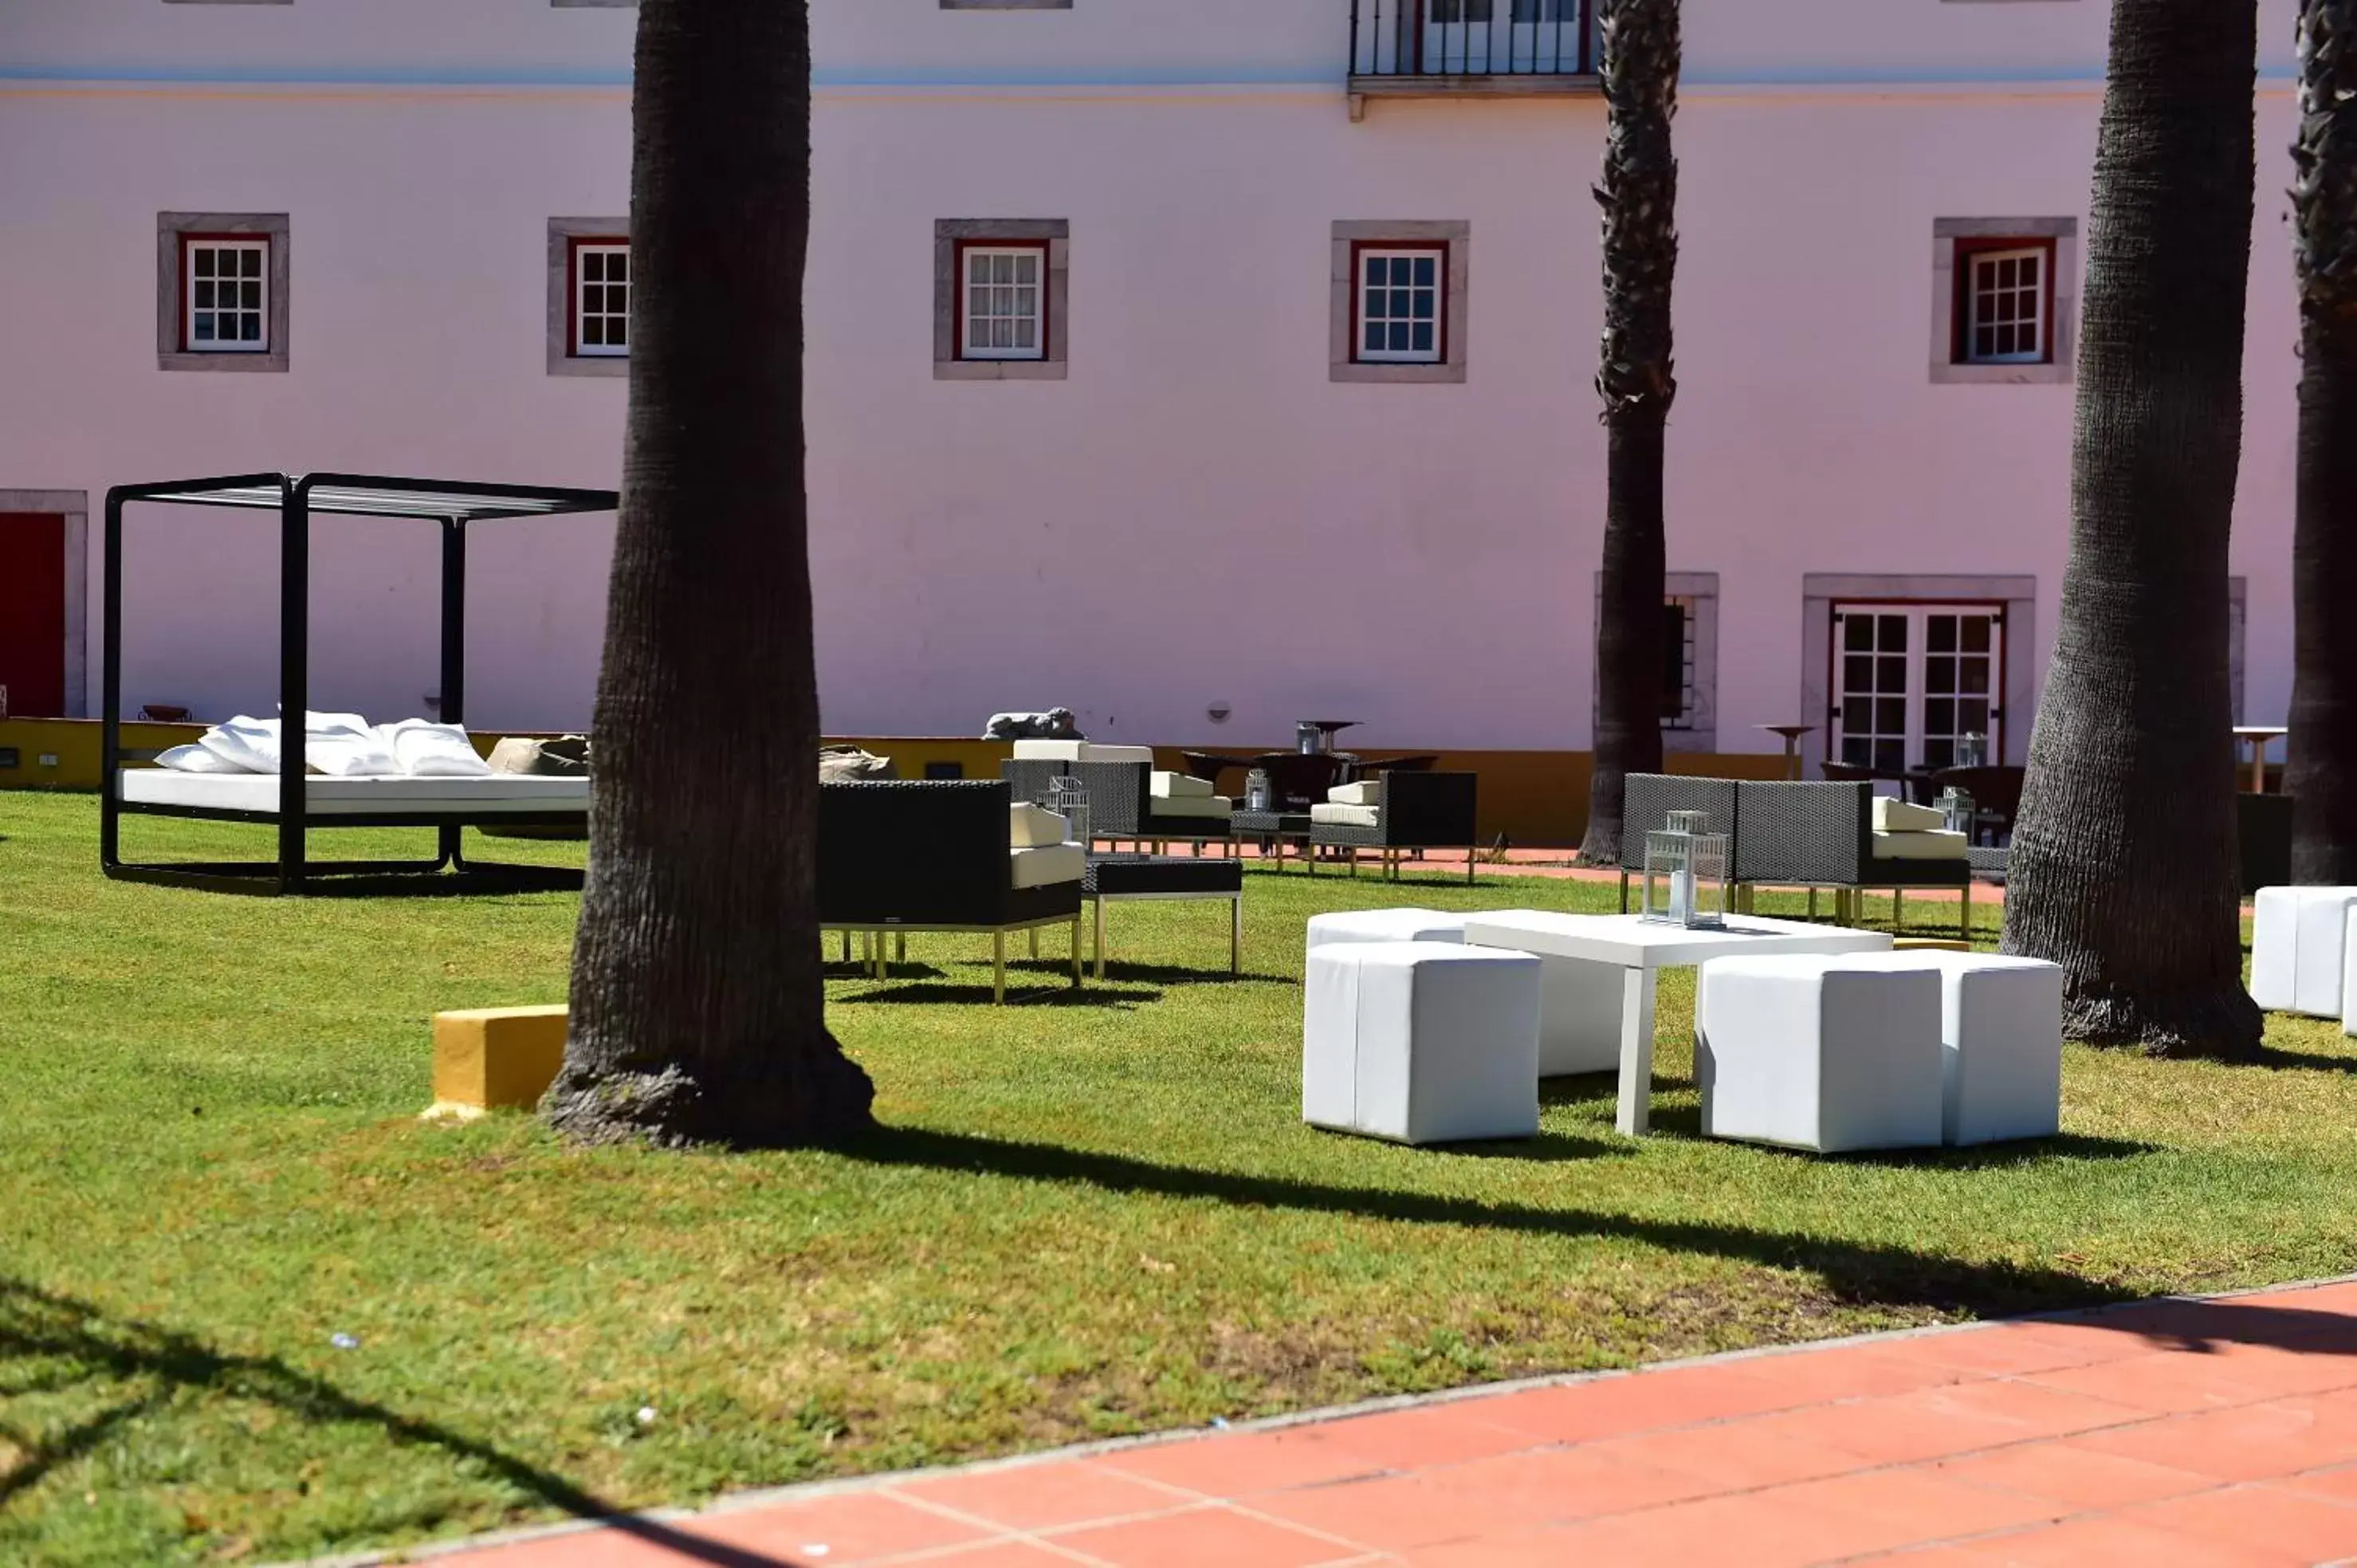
1047 751
1935 845
1180 786
1345 816
1047 866
1365 792
1116 754
1892 815
1210 808
1031 826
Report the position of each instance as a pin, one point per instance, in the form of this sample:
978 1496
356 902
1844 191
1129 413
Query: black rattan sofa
1415 812
1812 835
931 856
1121 802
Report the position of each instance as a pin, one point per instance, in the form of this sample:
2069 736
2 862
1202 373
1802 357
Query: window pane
204 294
1027 302
1374 270
1857 633
1374 338
1857 673
1400 304
617 266
254 263
1026 269
1891 673
1024 333
204 260
1939 675
1893 629
1890 715
1890 755
1976 634
250 296
1975 716
1423 336
1940 716
1854 751
593 332
252 330
1975 672
1940 635
204 327
1424 274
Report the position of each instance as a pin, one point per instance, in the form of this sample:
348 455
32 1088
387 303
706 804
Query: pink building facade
1190 502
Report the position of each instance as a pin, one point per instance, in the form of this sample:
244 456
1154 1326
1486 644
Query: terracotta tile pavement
2167 1434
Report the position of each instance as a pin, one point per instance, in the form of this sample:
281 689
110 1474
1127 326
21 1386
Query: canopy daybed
292 800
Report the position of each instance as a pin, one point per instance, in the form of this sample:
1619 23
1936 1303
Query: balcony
1471 49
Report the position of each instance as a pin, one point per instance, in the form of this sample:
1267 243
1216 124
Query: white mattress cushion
428 750
244 792
249 745
1047 751
1179 787
1210 808
1939 845
196 759
1892 815
1365 792
1117 754
1047 866
1031 827
1333 815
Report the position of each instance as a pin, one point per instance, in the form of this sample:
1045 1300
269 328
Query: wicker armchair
933 855
1121 805
1821 835
1646 802
1414 810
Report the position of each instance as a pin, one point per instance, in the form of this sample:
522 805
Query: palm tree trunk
697 1007
1637 382
2322 775
2123 867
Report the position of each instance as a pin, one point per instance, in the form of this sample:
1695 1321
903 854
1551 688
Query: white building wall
1197 515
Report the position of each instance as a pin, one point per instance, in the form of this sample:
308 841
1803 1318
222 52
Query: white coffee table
1599 988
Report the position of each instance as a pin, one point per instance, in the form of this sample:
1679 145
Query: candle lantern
1069 799
1956 809
1687 868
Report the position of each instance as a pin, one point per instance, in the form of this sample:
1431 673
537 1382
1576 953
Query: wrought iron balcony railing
1534 42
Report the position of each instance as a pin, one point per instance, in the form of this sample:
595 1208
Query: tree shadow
1173 974
1541 1148
2309 1061
39 1324
1856 1272
1061 994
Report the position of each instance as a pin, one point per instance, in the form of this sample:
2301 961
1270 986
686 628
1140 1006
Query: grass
1091 1216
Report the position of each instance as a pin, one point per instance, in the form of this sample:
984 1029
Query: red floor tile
2179 1381
2000 1349
1392 1513
1431 1434
1754 1530
1041 1497
1892 1508
2254 1443
1644 1401
1851 1372
1245 1464
586 1548
1559 1485
2077 1477
1741 1456
999 1554
1941 1423
852 1527
2111 1544
2305 1530
1205 1536
2339 1484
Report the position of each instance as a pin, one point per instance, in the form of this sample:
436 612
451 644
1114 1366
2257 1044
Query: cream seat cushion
1340 816
1047 751
1209 808
1033 827
1046 865
1180 786
1117 754
1892 815
1365 792
1936 845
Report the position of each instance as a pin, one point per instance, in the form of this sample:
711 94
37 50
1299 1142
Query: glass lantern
1258 796
1955 807
1972 749
1686 874
1070 800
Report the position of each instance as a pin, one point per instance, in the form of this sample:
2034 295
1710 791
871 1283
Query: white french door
1484 37
1911 682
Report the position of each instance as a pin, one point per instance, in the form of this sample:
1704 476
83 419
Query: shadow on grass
1856 1272
40 1323
1117 969
2311 1061
1058 992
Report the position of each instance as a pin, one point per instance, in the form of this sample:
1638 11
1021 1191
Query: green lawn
1091 1216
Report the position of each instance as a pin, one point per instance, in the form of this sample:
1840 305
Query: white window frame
581 249
1436 257
218 244
1978 299
1955 241
1035 252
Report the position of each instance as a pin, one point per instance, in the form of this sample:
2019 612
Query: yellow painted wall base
1536 800
493 1059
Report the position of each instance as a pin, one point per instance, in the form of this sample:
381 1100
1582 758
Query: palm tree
698 1008
2123 867
2322 774
1640 197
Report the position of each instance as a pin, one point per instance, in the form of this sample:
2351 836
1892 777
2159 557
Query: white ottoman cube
2001 1044
1421 1042
1822 1052
2297 949
1385 926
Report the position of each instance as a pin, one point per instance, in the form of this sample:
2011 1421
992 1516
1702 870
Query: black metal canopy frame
297 499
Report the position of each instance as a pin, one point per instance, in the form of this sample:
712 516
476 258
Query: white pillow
1892 815
1365 792
247 745
1034 827
196 759
424 749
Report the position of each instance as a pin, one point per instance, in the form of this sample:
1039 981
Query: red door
33 614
